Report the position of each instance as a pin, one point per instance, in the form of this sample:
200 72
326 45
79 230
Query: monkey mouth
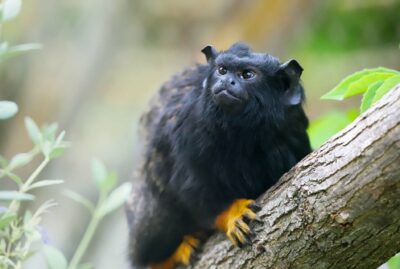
225 98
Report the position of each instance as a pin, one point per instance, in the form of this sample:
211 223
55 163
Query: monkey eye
222 70
248 74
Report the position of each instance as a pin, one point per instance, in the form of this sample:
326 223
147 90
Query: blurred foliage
323 128
350 25
110 198
372 83
394 262
20 229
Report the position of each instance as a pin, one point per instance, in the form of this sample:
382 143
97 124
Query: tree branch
338 208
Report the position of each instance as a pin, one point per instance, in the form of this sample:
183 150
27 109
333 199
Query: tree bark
338 208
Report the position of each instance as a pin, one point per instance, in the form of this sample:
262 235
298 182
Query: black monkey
218 136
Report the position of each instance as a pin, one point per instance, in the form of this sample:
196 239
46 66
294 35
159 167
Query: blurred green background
102 60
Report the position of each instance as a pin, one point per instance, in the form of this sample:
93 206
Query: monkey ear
210 52
291 70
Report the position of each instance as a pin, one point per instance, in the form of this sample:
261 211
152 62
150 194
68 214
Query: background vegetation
101 61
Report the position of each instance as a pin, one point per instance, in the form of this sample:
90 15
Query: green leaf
20 159
85 266
363 83
46 148
79 199
56 152
110 182
14 195
99 173
394 262
49 132
385 87
60 138
6 219
7 109
18 50
116 199
8 262
10 9
58 149
369 95
54 258
33 131
27 217
45 183
323 128
14 177
339 91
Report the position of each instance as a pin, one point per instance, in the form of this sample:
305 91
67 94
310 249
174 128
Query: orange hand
182 254
235 221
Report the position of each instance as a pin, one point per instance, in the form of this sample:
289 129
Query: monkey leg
235 221
182 255
159 229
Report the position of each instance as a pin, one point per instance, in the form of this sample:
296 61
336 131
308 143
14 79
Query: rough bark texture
338 208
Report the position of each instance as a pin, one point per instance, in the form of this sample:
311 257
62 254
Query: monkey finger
233 238
250 215
238 236
255 207
242 226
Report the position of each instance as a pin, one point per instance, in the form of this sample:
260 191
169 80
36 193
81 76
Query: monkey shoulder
173 96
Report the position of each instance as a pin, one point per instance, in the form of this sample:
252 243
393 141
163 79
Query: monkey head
241 81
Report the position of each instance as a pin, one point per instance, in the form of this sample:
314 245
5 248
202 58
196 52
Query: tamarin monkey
217 136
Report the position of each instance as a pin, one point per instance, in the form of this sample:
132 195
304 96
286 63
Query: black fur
202 154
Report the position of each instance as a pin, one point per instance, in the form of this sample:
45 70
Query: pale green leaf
85 266
46 147
99 173
49 132
20 159
110 182
10 9
14 177
339 91
18 50
60 138
33 131
54 258
116 199
7 109
45 207
6 261
6 219
363 83
369 95
27 217
45 183
14 195
57 151
385 87
79 199
104 180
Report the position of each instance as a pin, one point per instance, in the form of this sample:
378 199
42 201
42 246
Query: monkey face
230 85
241 81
